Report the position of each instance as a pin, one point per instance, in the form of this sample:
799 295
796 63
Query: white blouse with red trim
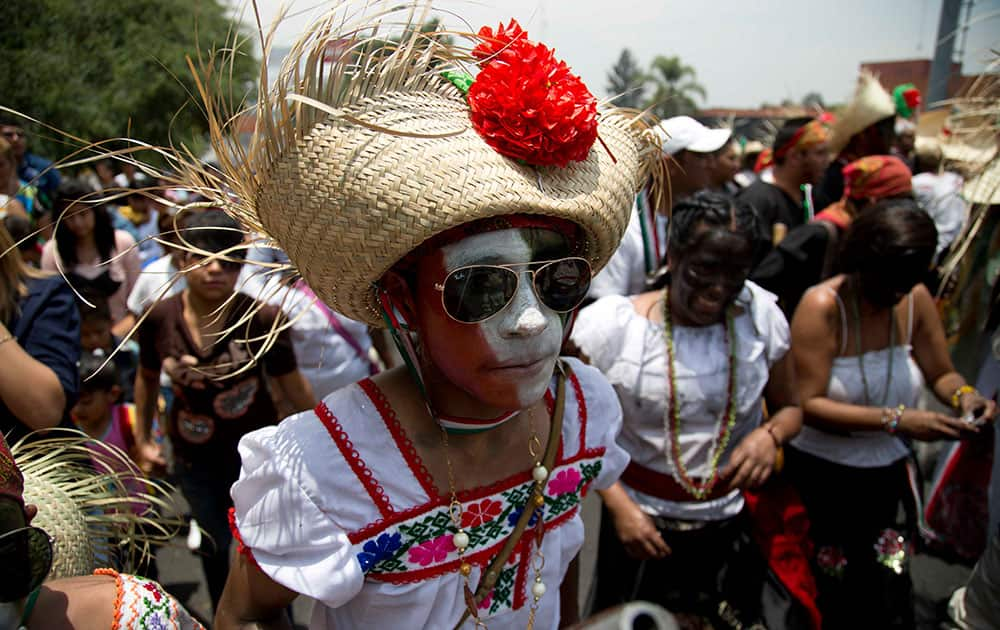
335 504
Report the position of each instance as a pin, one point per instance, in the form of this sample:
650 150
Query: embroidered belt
665 487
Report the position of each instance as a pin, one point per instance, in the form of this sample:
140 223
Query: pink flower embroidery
433 550
566 481
482 512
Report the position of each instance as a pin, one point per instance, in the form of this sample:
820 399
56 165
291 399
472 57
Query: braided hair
713 210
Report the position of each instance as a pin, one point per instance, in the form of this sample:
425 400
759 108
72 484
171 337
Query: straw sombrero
356 161
89 503
871 103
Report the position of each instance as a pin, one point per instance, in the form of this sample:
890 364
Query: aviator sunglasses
474 293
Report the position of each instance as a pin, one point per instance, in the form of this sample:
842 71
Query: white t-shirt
631 351
940 195
625 273
336 505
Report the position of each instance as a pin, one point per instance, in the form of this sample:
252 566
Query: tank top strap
909 318
843 321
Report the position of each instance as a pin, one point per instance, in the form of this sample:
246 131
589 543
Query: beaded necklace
672 420
533 510
861 357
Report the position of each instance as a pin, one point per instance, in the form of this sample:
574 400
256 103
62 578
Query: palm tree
674 87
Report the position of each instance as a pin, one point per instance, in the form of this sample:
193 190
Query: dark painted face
894 278
507 360
708 275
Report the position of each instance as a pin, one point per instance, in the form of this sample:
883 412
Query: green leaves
104 68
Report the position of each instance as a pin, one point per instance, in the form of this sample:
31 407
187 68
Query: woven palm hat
357 160
95 504
870 104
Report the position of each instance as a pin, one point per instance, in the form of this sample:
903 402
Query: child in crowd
96 335
198 337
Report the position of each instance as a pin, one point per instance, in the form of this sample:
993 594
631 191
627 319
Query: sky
744 53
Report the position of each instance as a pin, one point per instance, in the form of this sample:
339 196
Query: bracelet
956 398
891 418
769 428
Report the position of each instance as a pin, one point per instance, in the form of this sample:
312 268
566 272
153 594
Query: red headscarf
808 135
877 177
11 480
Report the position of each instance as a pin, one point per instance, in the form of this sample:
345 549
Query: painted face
507 360
92 410
79 221
709 275
211 281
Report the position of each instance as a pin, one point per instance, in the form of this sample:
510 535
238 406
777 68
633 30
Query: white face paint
507 360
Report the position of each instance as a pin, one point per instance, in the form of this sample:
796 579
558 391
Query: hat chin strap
399 330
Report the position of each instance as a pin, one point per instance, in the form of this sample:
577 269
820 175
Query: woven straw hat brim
984 188
871 103
72 552
347 201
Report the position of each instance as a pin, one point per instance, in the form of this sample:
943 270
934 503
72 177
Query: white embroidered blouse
336 505
631 351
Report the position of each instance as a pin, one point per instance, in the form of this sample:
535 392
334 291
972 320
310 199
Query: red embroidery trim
241 547
521 580
581 409
119 594
465 496
481 558
361 470
403 443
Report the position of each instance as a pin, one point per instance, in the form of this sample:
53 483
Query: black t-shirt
206 423
794 265
831 188
773 205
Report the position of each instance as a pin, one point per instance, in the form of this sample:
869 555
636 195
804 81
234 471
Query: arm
754 459
635 528
148 455
930 350
814 347
29 388
296 390
252 600
133 267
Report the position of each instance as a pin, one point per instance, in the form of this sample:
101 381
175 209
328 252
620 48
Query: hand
180 372
752 460
930 425
638 534
981 408
149 457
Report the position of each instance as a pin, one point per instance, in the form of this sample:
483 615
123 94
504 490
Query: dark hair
7 120
71 191
888 231
100 311
19 229
714 210
212 231
785 134
97 374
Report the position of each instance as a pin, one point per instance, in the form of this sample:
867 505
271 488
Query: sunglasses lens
27 557
563 284
472 294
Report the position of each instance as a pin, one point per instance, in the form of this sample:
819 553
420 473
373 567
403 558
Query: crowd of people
392 397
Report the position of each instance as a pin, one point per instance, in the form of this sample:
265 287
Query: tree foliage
626 81
675 87
106 68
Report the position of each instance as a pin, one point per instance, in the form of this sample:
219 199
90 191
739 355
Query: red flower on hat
526 104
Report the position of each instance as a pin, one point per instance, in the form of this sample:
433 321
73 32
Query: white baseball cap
685 133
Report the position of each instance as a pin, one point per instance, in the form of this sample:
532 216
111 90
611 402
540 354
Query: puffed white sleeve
599 331
770 323
604 422
280 526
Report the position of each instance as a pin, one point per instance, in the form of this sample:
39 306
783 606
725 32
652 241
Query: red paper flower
526 104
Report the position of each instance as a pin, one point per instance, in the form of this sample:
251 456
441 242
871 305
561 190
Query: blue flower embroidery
379 549
516 514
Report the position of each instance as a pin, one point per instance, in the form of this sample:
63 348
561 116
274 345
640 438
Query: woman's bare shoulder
79 603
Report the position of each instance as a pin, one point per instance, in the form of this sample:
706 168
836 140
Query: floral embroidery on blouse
142 604
420 546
